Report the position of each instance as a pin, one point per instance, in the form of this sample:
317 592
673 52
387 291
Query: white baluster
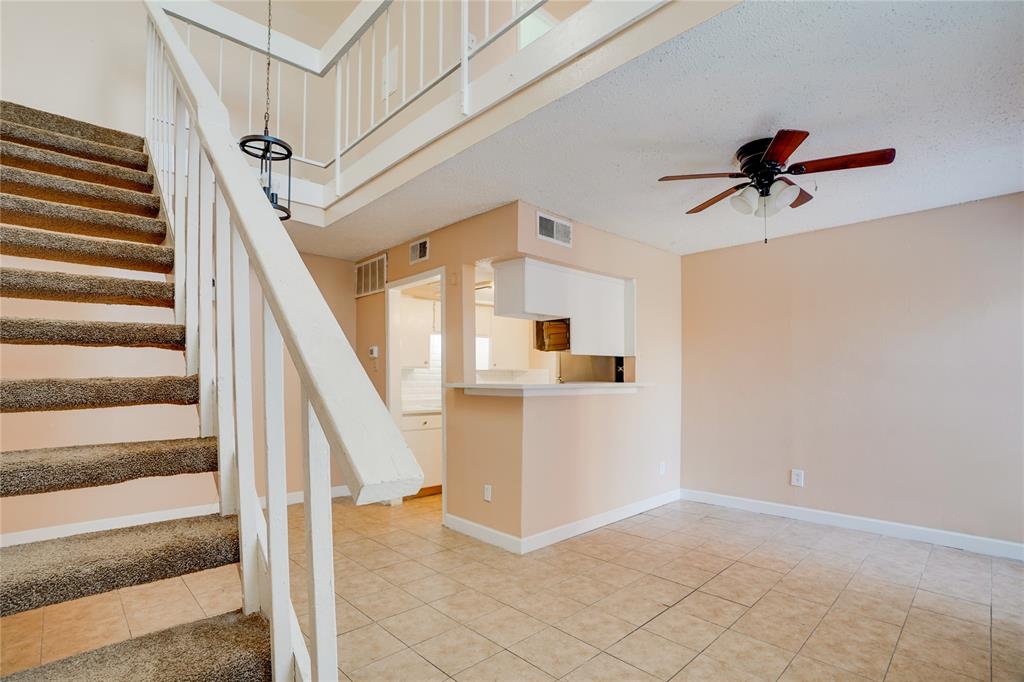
387 60
422 44
359 88
180 180
405 47
248 126
226 456
150 39
192 258
220 67
305 103
249 511
464 67
373 75
319 542
348 60
337 128
207 359
277 496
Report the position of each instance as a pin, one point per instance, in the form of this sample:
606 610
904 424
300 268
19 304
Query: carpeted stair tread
75 146
44 332
37 118
59 189
41 395
226 648
53 571
43 470
95 222
55 163
30 242
63 286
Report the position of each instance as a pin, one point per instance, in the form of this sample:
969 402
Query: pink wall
550 460
585 455
883 358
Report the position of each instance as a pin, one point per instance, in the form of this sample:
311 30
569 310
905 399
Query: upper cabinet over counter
601 309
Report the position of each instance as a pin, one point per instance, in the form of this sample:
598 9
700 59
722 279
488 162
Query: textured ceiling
941 82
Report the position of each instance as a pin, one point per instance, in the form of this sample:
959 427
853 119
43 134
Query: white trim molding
530 543
96 525
906 531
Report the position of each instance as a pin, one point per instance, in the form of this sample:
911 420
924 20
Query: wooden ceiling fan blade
718 197
877 157
701 176
801 198
783 145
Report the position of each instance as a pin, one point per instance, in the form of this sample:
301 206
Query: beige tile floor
684 592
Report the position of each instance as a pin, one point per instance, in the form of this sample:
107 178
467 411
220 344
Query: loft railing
224 231
403 51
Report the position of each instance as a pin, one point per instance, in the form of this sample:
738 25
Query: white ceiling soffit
943 83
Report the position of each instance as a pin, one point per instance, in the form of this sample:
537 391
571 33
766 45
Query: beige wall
86 60
884 359
584 455
336 279
550 460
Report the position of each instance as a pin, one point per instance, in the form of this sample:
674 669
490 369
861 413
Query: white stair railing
224 232
403 51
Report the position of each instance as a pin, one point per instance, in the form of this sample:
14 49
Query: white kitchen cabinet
601 309
416 323
423 436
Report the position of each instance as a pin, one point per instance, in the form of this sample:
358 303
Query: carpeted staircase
77 193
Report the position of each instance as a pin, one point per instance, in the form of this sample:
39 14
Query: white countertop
540 390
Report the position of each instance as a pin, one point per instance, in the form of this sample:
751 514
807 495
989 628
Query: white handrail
225 230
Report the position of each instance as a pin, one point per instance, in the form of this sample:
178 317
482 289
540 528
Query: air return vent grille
553 229
419 250
371 275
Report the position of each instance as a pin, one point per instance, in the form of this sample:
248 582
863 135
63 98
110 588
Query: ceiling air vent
553 229
371 275
419 250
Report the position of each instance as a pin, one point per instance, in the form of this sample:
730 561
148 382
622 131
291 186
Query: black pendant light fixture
270 150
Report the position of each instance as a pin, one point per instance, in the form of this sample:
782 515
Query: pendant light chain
266 113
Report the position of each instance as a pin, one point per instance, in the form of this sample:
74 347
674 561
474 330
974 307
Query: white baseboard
52 532
569 530
484 533
549 537
906 531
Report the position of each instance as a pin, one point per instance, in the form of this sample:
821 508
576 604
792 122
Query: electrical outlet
487 492
796 477
661 468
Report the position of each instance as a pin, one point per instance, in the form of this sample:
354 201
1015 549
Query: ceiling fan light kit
763 164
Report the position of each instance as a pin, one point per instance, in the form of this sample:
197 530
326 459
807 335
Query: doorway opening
416 370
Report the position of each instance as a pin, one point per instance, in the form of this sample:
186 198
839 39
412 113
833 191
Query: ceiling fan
763 165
